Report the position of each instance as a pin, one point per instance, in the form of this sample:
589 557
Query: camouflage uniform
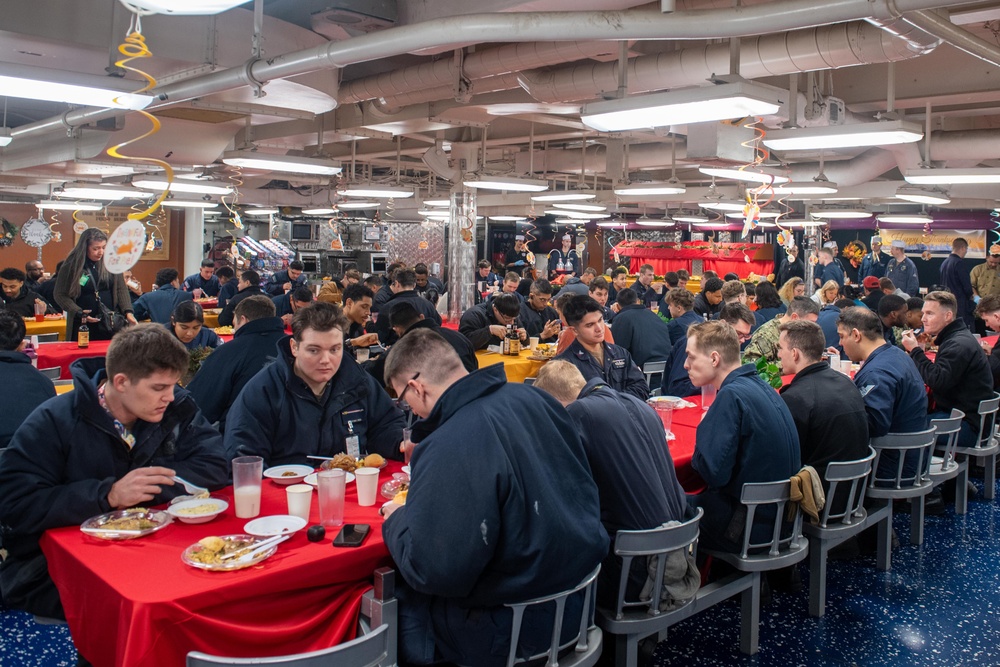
764 343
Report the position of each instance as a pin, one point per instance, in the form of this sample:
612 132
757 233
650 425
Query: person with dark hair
598 291
34 272
536 531
828 269
619 280
404 288
357 310
16 372
16 297
205 280
640 331
914 312
539 318
227 285
955 279
593 356
675 381
113 443
486 280
790 267
680 303
643 287
486 324
286 305
287 280
224 373
313 400
730 276
564 261
769 304
46 290
159 305
517 257
764 342
708 274
426 285
84 284
187 323
708 302
892 312
989 311
247 286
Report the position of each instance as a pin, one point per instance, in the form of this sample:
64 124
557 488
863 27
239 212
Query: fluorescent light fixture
249 159
40 83
506 218
427 212
714 224
203 188
577 215
651 189
840 213
618 222
103 192
680 107
436 215
803 188
763 214
319 211
5 137
565 195
880 133
802 224
508 183
53 205
750 175
905 218
185 7
952 176
377 191
733 205
581 207
437 202
651 222
689 217
190 203
358 205
932 196
260 211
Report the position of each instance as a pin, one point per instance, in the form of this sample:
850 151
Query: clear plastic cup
299 500
367 481
362 354
331 496
407 445
707 396
247 474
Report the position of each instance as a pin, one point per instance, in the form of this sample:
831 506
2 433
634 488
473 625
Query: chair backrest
529 381
651 368
366 651
757 495
589 587
653 543
47 337
850 478
949 427
51 373
987 420
920 444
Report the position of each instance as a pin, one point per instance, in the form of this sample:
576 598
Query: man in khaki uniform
986 277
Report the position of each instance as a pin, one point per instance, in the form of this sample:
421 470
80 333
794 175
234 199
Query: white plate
177 510
406 469
267 526
280 476
233 563
313 480
95 526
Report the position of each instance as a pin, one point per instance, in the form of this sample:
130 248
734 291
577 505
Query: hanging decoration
926 240
235 176
995 219
36 232
8 232
125 246
751 210
854 252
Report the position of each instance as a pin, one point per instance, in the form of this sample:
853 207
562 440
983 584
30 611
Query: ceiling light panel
881 133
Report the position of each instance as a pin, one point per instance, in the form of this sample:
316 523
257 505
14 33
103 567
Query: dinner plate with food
288 474
198 510
227 552
126 524
543 352
348 463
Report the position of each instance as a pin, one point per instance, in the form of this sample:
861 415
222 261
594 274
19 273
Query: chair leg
750 617
883 559
626 650
817 578
962 490
990 478
917 520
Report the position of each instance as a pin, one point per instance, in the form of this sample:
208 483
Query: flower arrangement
855 251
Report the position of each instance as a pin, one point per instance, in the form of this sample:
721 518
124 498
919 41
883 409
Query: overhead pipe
958 37
642 24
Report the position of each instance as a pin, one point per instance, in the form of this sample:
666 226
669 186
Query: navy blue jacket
703 308
827 321
522 512
766 314
62 462
31 389
619 371
903 275
676 381
647 295
574 286
831 271
641 332
678 327
225 372
463 348
570 258
159 304
386 335
956 280
227 314
274 285
789 269
206 338
283 304
227 292
277 416
210 287
872 266
534 321
475 325
893 391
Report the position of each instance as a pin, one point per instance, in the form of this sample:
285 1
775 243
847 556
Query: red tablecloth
684 427
62 355
135 603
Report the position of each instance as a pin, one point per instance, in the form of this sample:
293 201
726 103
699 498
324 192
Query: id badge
84 279
353 444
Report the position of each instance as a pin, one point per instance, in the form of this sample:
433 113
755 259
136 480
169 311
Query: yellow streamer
134 47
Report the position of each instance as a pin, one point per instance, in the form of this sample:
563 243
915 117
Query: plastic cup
299 500
367 481
533 343
407 445
39 312
247 473
362 354
331 496
845 366
707 396
665 411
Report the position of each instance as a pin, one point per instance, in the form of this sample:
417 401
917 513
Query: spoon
194 490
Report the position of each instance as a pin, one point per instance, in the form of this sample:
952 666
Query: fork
193 489
257 548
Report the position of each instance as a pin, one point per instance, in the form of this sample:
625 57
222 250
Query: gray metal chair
899 486
987 444
651 369
756 557
376 647
947 466
631 621
529 381
588 640
847 481
53 373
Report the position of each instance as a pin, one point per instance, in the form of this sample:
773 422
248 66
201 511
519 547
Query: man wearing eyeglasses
486 324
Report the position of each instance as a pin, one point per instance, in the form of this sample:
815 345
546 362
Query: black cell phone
351 535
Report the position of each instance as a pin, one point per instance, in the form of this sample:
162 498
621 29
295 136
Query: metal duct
965 145
865 167
958 37
490 84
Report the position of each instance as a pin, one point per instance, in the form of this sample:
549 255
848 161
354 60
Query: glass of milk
247 474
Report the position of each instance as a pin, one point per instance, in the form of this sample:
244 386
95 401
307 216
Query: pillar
461 253
194 240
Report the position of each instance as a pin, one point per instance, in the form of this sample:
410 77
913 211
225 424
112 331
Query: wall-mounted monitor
302 231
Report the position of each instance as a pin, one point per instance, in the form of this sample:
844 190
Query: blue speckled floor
937 606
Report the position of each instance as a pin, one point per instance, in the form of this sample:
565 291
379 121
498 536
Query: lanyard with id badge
352 443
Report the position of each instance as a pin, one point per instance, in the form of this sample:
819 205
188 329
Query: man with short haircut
486 324
357 310
827 409
596 358
286 305
511 281
892 311
224 373
158 305
227 285
790 267
989 311
633 497
747 435
765 340
680 304
204 280
643 287
873 264
513 532
675 380
955 279
404 288
427 286
114 442
733 291
708 302
287 280
985 277
619 278
914 312
640 331
564 261
901 270
16 297
374 283
959 377
247 286
34 272
517 257
540 319
598 291
486 280
831 270
313 400
16 372
671 279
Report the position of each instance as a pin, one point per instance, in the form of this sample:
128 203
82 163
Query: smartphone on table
351 535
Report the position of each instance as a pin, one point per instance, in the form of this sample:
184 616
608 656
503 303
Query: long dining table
135 603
